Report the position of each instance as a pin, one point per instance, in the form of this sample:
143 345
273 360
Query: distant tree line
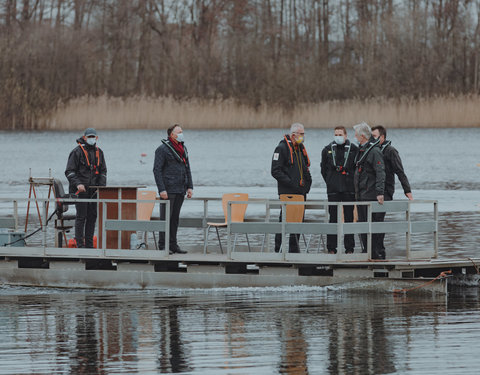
282 52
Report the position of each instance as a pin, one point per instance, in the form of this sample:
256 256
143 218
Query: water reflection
290 333
171 356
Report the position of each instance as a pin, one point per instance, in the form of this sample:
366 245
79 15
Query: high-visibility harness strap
304 151
340 168
97 155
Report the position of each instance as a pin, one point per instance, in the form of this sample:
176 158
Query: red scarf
178 147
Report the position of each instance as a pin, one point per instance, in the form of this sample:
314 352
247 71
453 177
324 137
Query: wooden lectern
115 211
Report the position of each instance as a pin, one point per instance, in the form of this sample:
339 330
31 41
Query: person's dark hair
171 128
381 130
341 128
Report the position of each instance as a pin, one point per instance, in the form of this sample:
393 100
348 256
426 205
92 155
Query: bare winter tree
282 52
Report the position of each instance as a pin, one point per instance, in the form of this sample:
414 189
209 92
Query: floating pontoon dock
255 265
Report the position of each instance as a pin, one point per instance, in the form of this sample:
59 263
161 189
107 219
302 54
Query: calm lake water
247 331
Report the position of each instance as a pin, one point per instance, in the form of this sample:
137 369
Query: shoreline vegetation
67 64
109 113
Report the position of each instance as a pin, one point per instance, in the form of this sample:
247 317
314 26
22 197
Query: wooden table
115 211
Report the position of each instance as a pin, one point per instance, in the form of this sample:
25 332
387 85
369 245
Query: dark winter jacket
369 172
288 163
80 170
338 174
393 166
172 173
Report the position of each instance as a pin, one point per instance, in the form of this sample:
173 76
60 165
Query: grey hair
363 129
296 126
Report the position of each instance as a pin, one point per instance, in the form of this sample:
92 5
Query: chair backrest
294 212
144 210
58 193
238 210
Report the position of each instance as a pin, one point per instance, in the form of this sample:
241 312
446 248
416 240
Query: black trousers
293 241
349 239
85 223
377 251
176 202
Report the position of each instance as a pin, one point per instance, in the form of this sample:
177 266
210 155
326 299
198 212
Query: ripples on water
244 331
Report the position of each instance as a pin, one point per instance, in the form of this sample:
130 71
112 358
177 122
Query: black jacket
172 173
286 168
338 175
393 166
369 172
80 171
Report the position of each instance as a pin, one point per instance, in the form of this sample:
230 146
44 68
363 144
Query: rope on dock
441 275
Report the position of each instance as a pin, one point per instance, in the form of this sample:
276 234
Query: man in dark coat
393 166
174 180
338 168
290 167
86 167
369 181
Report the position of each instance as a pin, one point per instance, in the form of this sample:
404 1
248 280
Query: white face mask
339 139
91 141
180 138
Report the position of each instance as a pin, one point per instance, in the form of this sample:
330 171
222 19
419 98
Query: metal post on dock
44 227
339 226
15 214
229 230
204 221
408 237
284 234
167 225
104 231
267 219
369 235
435 232
119 207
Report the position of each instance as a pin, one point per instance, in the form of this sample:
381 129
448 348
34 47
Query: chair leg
206 240
219 242
145 239
248 242
155 241
235 241
308 243
320 242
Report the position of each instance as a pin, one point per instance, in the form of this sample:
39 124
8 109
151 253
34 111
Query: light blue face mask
180 138
339 139
91 141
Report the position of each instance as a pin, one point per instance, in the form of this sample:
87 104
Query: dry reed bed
158 113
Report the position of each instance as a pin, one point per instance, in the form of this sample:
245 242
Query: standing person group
352 173
86 168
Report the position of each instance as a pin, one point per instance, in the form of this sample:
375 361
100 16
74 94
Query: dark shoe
349 251
332 251
178 251
380 256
